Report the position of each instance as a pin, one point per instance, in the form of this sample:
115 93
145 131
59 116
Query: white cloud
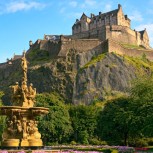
73 3
15 6
136 16
89 3
149 28
108 7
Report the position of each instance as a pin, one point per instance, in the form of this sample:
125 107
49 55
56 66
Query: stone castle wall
117 48
121 18
113 24
52 47
119 33
81 45
3 65
61 47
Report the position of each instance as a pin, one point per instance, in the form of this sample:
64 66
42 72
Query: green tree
142 89
84 122
142 95
131 117
117 122
2 118
56 126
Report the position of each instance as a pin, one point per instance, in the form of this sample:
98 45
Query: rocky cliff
79 77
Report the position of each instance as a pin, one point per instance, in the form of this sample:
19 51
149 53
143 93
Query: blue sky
24 20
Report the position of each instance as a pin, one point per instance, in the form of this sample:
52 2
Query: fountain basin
22 127
17 110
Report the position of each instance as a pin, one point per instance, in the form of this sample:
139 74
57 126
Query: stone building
113 24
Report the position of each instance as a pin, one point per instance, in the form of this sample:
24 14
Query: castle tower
110 25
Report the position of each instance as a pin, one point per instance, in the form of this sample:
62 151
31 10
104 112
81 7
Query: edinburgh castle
113 24
101 55
105 32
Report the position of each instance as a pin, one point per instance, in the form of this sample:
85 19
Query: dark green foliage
141 143
83 137
129 119
124 120
117 122
84 122
37 56
120 121
56 126
142 89
95 141
142 94
2 118
49 99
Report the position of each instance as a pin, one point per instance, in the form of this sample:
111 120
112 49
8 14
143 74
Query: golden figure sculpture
24 66
21 129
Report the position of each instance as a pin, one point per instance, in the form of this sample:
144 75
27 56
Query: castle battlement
113 24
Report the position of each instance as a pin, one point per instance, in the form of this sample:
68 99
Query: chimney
30 43
99 13
119 6
92 15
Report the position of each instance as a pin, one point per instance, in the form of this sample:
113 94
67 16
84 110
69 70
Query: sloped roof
103 15
83 16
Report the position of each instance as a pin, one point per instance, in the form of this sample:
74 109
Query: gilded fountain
21 126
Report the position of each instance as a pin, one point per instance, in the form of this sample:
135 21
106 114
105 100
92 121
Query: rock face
110 74
79 78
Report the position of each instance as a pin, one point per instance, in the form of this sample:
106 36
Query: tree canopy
55 126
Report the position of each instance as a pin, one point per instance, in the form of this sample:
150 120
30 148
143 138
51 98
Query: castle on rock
113 24
105 32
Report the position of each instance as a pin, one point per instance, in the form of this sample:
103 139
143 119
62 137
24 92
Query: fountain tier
21 127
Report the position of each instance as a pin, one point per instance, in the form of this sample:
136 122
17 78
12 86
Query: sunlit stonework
21 129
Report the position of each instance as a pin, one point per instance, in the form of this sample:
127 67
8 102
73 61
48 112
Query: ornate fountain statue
21 129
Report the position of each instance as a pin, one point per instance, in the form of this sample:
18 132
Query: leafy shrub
141 143
94 141
150 141
73 143
103 142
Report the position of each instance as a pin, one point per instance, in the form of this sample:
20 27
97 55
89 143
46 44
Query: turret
30 43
